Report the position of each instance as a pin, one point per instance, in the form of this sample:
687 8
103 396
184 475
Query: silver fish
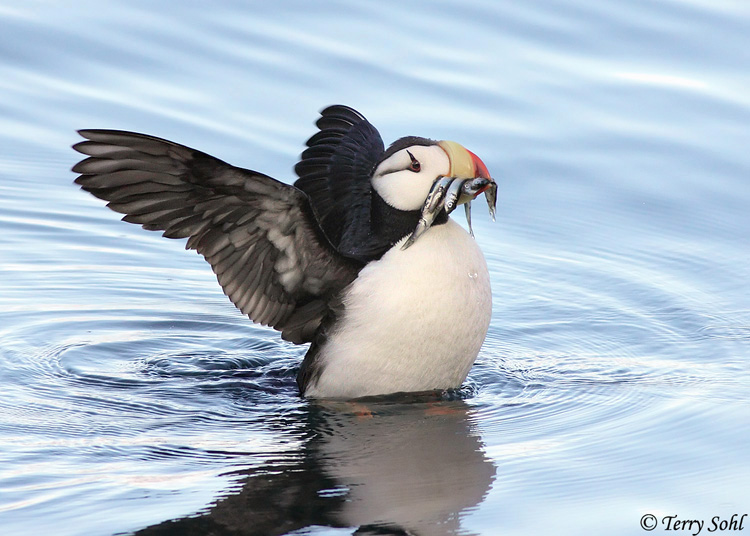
436 197
453 195
431 208
470 188
447 193
491 195
467 209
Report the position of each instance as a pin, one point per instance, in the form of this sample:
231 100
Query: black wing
260 236
335 172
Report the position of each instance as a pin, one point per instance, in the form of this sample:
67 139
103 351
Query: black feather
335 173
240 220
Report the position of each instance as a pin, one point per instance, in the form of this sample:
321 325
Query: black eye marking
415 166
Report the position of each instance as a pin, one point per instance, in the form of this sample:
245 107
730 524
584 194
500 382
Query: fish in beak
468 177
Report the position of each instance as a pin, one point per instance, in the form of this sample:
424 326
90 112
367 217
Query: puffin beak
471 179
464 163
467 165
467 178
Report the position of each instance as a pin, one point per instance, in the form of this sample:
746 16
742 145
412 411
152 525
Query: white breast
414 320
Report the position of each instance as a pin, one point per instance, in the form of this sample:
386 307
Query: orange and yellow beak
465 164
466 179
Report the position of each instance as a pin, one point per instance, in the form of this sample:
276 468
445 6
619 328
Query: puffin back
335 171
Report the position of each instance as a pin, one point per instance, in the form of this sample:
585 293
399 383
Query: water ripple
613 382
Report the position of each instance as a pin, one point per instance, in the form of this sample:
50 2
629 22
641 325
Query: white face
404 184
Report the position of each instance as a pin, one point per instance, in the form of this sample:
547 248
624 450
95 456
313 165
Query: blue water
615 379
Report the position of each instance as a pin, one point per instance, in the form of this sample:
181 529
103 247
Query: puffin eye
415 166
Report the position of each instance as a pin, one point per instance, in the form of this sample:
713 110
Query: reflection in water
383 467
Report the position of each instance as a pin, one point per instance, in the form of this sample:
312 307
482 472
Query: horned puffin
359 257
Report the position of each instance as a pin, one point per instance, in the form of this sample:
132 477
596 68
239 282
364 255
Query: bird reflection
378 467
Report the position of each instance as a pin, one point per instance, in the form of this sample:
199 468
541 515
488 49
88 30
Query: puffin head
411 166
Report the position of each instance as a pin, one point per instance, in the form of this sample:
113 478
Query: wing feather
260 236
335 172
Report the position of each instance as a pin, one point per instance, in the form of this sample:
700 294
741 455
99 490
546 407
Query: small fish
449 192
470 189
491 195
453 196
432 207
436 197
467 209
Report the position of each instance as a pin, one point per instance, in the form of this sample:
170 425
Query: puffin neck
391 224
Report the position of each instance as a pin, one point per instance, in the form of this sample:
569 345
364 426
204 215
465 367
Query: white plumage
414 320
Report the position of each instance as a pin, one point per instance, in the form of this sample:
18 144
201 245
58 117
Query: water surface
614 381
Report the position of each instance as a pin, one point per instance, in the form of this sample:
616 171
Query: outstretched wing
335 172
260 236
